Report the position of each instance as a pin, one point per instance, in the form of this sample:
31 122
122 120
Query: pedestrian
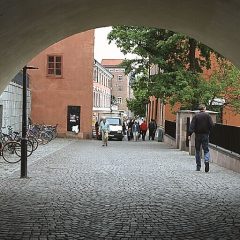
152 127
104 128
124 128
139 132
135 130
201 125
97 129
143 129
129 131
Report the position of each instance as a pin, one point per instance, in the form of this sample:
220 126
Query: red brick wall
169 115
230 118
51 96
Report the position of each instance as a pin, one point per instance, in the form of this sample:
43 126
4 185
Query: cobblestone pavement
128 190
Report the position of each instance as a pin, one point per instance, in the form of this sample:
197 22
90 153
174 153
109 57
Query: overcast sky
103 50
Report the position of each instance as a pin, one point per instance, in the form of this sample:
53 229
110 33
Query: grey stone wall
225 158
11 107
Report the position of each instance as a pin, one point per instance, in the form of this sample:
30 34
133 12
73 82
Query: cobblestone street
129 190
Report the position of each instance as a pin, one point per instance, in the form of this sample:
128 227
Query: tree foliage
180 61
141 94
224 84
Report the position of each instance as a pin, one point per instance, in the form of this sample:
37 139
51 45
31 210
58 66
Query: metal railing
227 137
170 128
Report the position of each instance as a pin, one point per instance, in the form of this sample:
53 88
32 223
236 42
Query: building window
120 88
95 76
120 77
119 100
54 66
105 81
94 97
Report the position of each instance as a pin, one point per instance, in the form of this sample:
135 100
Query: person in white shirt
104 128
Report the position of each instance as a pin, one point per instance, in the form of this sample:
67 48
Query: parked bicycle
10 143
10 151
16 137
43 133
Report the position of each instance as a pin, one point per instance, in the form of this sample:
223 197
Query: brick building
160 112
120 83
62 87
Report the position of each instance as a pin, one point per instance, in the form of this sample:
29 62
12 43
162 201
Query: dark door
73 118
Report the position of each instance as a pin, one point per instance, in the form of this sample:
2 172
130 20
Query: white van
115 127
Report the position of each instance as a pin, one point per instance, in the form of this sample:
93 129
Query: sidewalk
126 191
42 151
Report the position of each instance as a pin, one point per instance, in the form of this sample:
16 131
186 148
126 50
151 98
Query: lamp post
24 124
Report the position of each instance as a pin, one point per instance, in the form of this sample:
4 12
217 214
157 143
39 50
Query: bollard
160 135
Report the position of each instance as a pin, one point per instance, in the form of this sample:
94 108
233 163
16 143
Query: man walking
135 131
152 126
201 125
104 128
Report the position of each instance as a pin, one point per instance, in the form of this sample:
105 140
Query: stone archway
29 27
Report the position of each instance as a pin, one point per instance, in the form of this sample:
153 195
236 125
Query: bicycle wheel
55 134
44 138
10 150
29 149
50 135
34 142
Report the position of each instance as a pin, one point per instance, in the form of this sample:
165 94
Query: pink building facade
62 87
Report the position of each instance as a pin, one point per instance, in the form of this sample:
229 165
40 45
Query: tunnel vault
28 27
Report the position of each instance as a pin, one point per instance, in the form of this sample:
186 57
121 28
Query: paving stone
145 190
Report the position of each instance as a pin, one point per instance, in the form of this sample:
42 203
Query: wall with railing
227 137
170 128
224 140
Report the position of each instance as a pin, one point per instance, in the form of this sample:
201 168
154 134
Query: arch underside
30 26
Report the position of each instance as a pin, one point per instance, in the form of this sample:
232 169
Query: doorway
73 118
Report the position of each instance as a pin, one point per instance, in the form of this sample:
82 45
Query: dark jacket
135 127
152 126
201 124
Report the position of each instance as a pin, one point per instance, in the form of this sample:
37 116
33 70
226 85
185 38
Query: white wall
11 100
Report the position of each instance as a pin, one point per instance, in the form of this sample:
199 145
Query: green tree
224 85
178 78
141 95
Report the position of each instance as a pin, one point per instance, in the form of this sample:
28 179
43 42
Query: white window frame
119 100
120 77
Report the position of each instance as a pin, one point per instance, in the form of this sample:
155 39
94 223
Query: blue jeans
201 140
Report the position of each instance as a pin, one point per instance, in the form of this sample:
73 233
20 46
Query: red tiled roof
111 62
